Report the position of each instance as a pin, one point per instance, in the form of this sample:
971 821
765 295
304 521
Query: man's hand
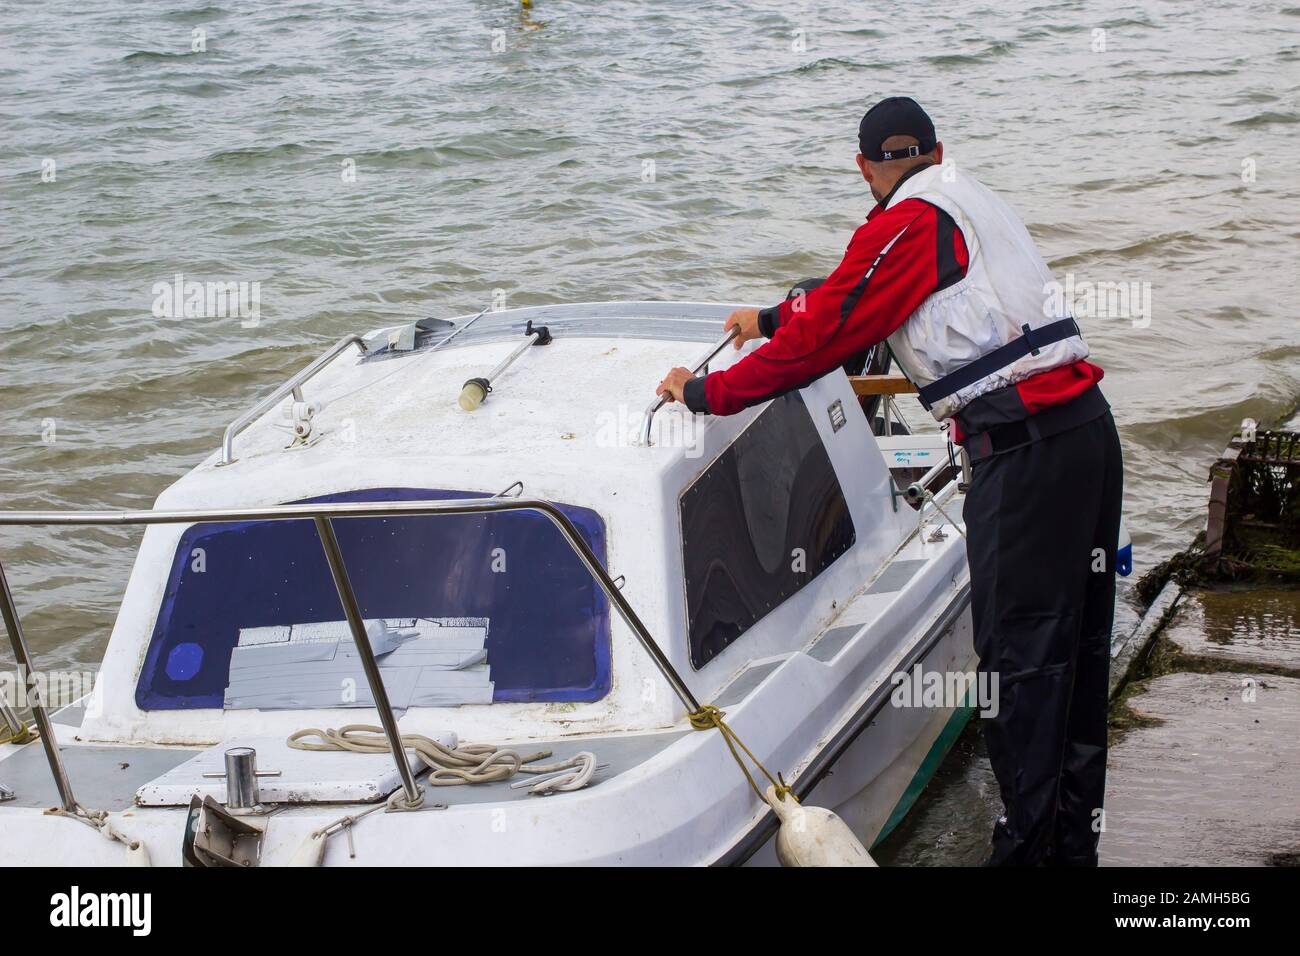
746 320
673 386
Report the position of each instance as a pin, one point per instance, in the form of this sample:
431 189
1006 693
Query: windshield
459 609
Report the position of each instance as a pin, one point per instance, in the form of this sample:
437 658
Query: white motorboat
555 570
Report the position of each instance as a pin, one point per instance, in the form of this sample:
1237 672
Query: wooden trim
881 385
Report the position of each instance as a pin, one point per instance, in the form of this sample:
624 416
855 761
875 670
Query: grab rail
293 385
323 515
703 363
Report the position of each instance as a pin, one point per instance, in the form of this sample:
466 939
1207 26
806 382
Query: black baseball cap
895 116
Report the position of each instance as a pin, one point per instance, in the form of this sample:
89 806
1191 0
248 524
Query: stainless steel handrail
43 724
293 385
661 402
323 515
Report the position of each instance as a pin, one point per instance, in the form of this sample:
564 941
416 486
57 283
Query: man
945 272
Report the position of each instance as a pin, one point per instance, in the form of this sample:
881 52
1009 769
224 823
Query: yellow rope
710 716
23 736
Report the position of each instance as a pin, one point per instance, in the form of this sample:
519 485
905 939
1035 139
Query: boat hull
873 783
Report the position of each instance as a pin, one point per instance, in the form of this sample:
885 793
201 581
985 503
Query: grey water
372 163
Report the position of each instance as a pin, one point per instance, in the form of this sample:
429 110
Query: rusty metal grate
1267 491
1252 529
1273 448
1254 514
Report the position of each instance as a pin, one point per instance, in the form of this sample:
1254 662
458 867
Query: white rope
468 763
136 852
929 496
449 767
574 777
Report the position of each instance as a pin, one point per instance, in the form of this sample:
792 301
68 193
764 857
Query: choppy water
525 170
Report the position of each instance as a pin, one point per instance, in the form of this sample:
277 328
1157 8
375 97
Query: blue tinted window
547 622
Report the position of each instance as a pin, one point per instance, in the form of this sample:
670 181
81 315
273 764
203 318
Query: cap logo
900 153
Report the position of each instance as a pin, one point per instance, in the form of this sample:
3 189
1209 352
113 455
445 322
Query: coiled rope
467 763
448 767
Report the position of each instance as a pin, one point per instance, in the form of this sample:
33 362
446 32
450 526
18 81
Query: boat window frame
589 523
698 660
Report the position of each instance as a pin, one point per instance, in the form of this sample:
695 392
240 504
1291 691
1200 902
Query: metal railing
293 385
323 515
661 402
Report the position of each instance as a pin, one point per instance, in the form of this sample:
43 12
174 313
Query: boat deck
108 777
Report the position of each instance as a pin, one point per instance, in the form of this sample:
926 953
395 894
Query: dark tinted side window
772 492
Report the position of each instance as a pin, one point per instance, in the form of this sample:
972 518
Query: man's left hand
674 385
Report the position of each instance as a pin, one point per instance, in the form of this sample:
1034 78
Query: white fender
137 854
312 851
814 836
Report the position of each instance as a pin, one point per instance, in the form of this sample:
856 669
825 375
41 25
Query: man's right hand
746 320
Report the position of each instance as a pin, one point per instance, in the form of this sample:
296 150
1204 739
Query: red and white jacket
911 260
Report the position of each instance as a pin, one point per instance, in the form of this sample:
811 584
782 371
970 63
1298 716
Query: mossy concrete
1205 734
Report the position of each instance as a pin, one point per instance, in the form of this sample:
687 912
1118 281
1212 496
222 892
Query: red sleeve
889 268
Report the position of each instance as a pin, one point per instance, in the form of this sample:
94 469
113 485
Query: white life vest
1006 288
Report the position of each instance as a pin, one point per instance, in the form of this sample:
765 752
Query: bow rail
323 515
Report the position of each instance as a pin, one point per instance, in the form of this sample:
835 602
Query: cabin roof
565 418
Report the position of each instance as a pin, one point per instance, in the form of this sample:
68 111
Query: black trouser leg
1083 769
1034 516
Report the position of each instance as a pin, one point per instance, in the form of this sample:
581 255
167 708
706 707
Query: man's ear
938 153
863 166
